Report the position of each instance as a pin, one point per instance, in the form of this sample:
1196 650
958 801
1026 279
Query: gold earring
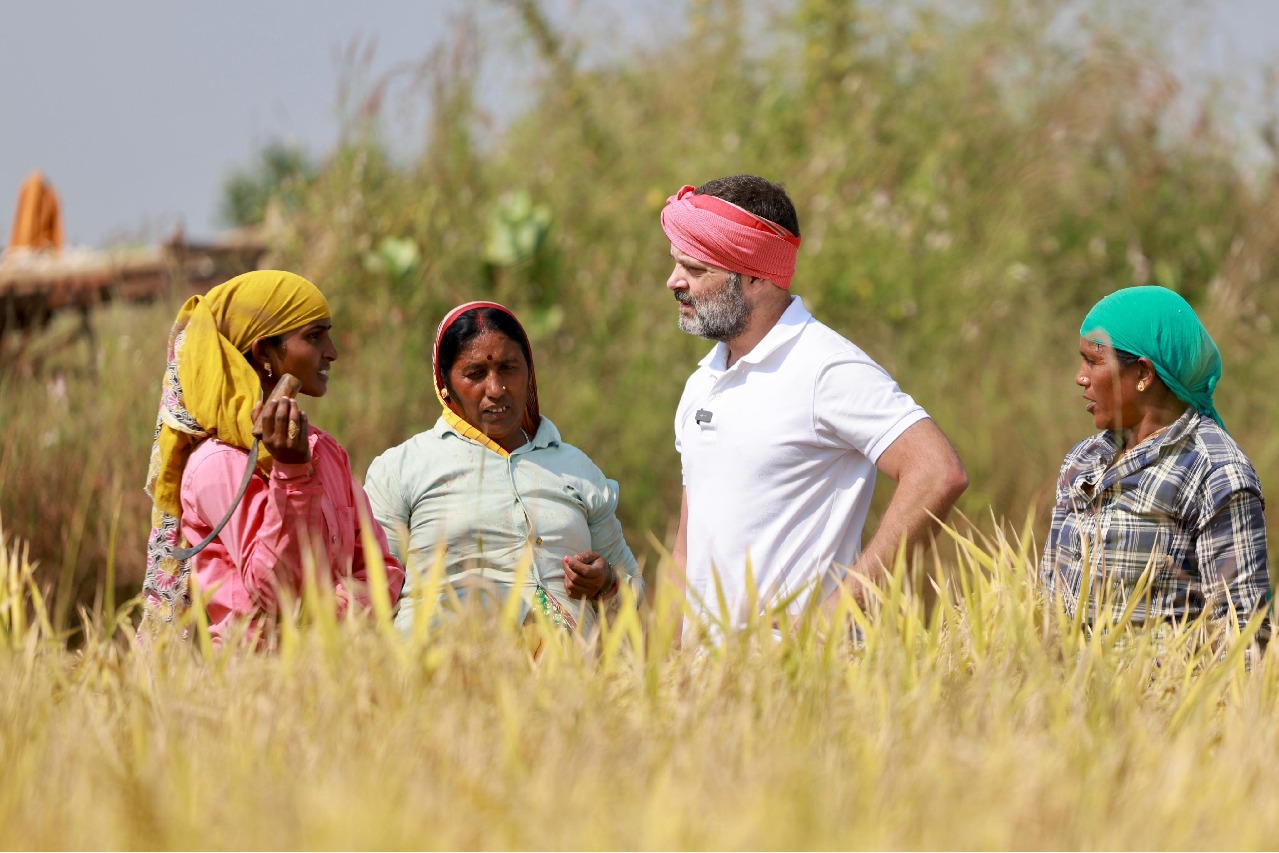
1141 386
444 393
267 367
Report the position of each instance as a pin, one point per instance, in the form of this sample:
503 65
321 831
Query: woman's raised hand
284 430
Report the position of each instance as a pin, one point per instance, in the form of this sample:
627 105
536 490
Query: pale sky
137 110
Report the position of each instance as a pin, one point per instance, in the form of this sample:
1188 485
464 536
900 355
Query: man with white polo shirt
783 426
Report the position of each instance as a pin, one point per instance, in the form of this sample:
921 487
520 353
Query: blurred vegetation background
969 178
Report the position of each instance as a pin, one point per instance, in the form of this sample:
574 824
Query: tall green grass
968 185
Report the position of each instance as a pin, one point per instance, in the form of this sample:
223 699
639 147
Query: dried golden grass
974 719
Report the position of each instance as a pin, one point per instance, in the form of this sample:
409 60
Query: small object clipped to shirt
703 416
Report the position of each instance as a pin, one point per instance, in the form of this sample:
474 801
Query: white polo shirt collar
785 329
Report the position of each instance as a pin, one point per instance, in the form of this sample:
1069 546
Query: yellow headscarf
216 384
209 390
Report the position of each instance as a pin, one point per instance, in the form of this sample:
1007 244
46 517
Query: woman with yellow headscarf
227 351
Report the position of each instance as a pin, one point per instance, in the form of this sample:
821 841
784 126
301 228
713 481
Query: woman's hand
284 430
586 574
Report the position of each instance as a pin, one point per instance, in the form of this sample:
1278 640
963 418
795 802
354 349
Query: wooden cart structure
36 286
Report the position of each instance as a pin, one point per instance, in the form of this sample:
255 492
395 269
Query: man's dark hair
760 197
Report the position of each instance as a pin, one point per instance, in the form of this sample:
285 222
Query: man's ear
769 289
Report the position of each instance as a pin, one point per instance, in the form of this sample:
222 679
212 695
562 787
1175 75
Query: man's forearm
907 520
912 518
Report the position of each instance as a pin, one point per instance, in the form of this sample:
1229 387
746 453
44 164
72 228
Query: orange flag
38 221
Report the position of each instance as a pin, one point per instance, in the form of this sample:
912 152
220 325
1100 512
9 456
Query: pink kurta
259 554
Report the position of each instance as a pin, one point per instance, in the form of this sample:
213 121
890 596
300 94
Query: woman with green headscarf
227 351
1162 505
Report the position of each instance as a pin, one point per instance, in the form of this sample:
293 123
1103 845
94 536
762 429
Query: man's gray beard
719 315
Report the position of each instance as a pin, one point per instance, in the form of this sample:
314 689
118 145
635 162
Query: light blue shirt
439 490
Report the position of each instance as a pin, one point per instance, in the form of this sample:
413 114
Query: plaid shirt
1186 503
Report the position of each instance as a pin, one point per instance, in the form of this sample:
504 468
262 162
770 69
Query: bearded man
783 426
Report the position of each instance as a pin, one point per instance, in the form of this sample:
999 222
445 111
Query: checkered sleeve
1231 545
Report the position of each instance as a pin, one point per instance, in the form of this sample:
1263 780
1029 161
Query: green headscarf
1157 324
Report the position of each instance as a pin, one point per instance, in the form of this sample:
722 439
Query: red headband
720 233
